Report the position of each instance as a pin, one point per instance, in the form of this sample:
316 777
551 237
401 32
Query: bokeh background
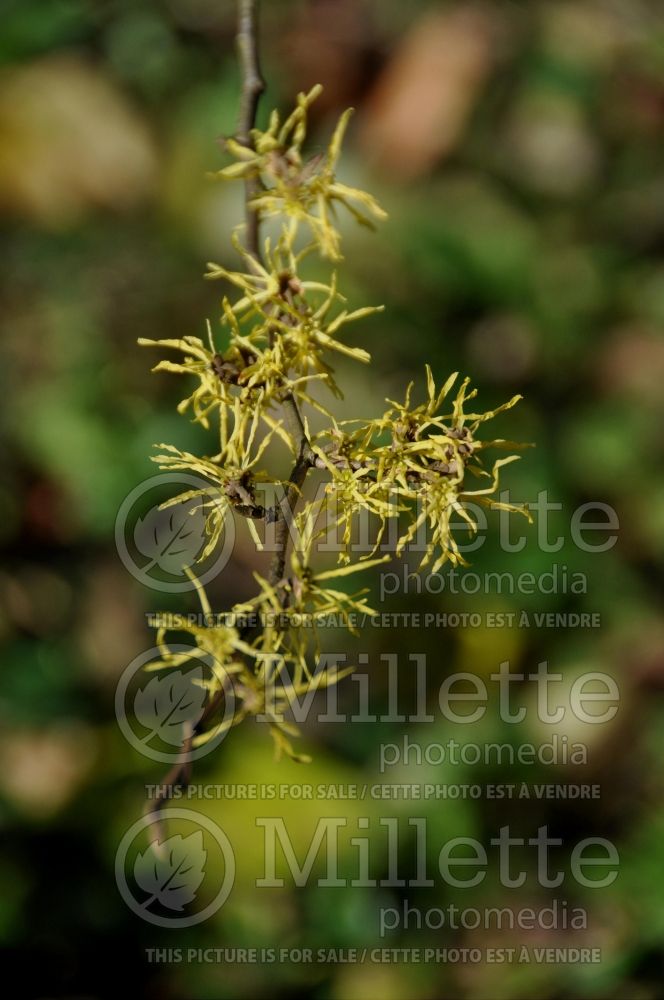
518 149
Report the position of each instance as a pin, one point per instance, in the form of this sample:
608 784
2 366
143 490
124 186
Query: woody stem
253 86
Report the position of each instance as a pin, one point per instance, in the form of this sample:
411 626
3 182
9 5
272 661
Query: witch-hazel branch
419 463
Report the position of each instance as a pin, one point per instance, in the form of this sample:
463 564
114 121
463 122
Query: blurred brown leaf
41 770
325 43
420 105
69 140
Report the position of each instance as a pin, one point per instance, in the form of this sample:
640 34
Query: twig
178 777
253 86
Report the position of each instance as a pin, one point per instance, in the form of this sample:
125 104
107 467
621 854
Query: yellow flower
303 191
292 327
258 670
231 475
199 361
292 609
416 459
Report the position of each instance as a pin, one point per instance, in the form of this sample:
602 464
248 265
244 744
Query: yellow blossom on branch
418 466
302 191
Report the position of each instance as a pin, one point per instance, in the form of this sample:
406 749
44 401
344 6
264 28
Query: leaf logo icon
167 702
172 871
172 538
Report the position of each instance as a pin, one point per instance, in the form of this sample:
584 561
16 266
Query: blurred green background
518 149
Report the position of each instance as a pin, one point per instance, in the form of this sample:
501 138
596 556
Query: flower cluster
417 463
299 190
418 460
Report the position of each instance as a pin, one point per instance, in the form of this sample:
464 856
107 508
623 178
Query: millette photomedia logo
176 878
158 540
159 706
